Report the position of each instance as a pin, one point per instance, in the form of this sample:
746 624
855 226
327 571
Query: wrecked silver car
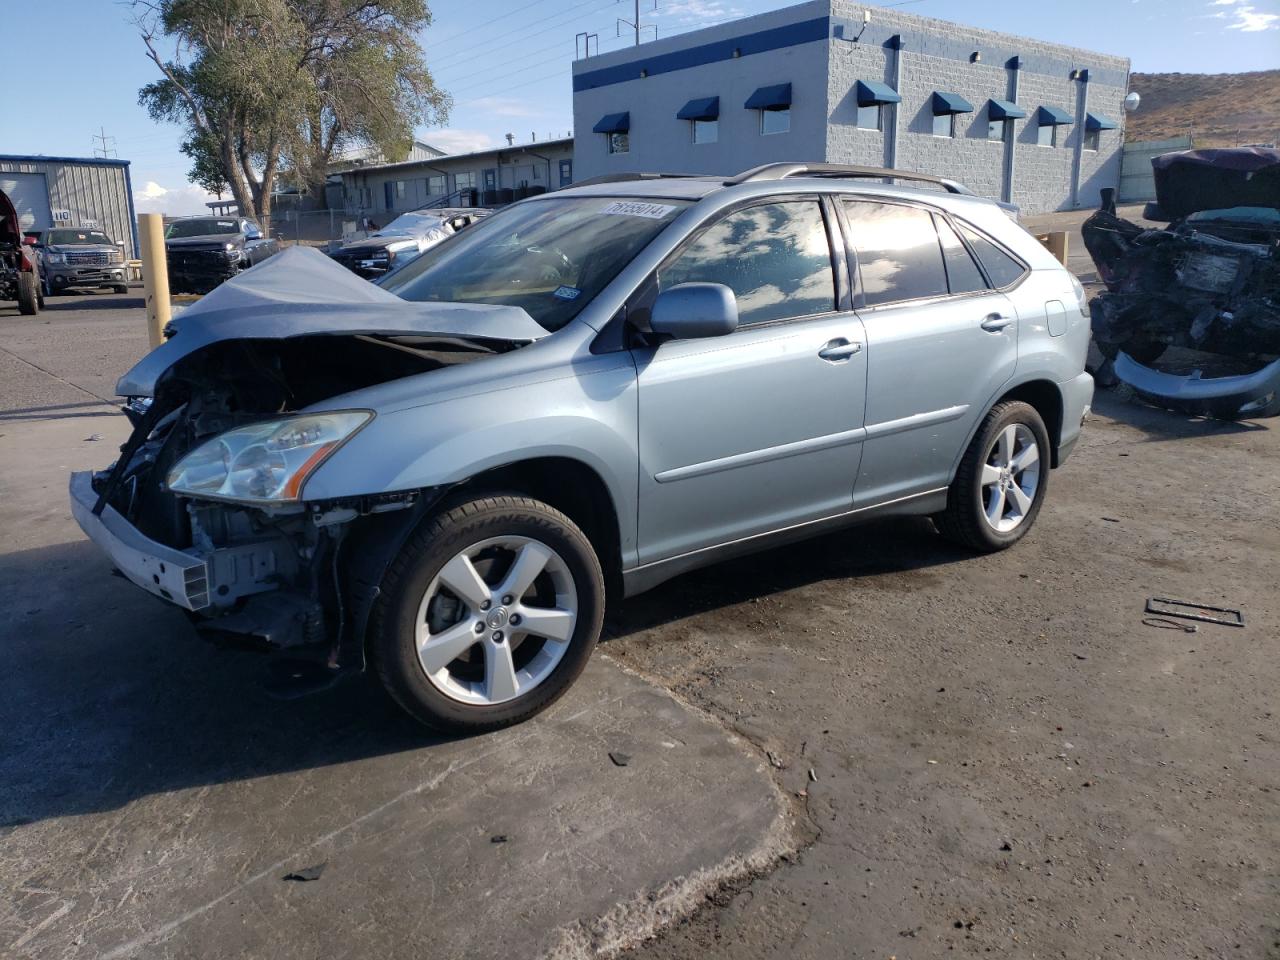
1209 282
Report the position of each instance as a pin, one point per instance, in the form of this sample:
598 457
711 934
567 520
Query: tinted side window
774 257
1001 268
963 275
898 253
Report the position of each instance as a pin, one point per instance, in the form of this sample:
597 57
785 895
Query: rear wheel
121 288
28 293
488 615
1002 480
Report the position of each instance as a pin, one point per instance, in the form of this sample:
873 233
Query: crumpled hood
207 240
378 241
301 292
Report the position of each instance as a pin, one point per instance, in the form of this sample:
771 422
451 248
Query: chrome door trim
764 455
915 421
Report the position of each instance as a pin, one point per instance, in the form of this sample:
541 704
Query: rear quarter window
1001 267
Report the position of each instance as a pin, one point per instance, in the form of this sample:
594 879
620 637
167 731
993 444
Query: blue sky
506 62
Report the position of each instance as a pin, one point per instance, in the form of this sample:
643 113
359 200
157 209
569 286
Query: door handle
994 322
839 349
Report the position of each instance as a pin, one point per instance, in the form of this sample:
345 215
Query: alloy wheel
496 620
1010 478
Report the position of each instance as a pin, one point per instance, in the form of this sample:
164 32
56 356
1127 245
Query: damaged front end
206 507
1209 283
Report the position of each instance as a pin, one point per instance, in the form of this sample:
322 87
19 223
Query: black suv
204 251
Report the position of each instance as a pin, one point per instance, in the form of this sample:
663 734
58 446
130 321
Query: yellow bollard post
155 275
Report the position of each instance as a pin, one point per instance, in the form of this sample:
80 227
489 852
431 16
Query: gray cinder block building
1022 120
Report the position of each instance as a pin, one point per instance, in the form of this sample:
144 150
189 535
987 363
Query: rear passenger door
940 344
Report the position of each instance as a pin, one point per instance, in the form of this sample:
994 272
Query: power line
470 52
479 26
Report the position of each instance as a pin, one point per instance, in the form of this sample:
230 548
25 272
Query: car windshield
200 228
77 236
550 257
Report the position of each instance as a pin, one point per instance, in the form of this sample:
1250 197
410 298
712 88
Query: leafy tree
263 85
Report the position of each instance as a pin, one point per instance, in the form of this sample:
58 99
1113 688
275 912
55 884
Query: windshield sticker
634 208
567 293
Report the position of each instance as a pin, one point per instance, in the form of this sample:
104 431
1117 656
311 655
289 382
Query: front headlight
264 462
56 257
115 256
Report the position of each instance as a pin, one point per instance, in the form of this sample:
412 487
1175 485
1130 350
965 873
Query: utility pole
636 25
108 148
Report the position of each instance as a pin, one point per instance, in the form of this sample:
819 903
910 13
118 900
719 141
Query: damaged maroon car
19 262
1209 282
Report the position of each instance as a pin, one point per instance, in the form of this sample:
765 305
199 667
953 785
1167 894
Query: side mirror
253 235
691 310
30 242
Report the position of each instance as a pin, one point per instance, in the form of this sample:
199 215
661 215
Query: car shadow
1160 424
859 553
103 300
109 696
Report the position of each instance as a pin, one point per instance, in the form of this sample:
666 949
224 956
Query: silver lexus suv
592 391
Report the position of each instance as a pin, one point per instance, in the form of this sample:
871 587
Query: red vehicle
19 262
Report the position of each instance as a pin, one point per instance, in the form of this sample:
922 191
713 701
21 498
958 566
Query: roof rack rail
781 171
621 177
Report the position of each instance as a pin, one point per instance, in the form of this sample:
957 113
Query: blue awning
950 103
708 108
1096 121
770 98
1004 110
613 123
1053 117
870 93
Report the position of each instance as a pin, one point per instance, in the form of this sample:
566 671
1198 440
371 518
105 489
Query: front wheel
488 614
1001 483
28 293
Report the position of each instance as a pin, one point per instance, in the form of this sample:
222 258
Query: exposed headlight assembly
265 462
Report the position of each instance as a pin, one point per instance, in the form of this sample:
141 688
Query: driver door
760 429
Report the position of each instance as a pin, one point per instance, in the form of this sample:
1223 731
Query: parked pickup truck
204 251
80 257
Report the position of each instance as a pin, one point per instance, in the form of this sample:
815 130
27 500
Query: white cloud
1250 20
698 13
503 106
452 140
183 201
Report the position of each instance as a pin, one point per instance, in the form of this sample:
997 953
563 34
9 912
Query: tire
28 293
984 511
121 288
472 692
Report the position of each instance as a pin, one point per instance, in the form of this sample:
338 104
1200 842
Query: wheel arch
1043 395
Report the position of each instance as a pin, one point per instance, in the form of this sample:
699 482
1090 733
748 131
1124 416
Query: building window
777 120
400 187
566 172
436 186
1092 139
997 129
1047 135
944 125
705 131
464 181
869 117
619 142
